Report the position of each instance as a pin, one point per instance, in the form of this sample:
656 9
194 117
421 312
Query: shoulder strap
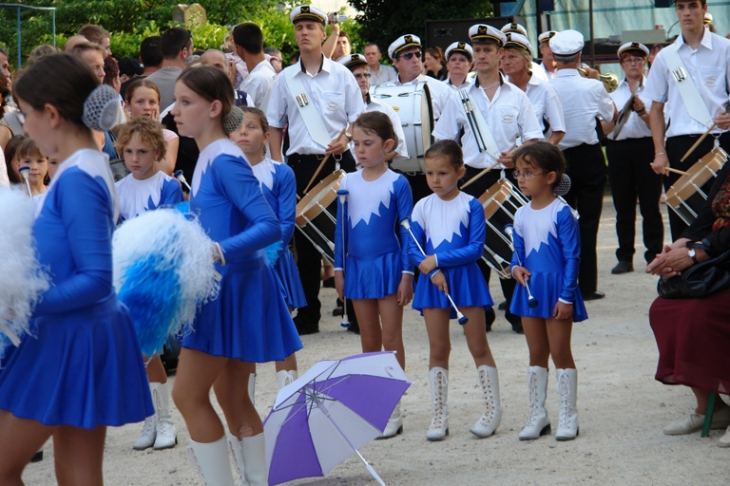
308 111
482 134
687 89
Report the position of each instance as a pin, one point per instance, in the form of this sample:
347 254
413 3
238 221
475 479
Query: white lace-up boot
237 450
211 462
284 377
568 390
488 381
439 378
254 456
149 434
538 423
166 433
394 425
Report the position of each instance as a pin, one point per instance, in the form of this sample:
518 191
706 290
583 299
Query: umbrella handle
370 469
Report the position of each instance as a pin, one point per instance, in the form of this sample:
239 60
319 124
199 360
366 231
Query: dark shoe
623 267
502 306
329 283
597 295
338 311
515 321
354 328
489 317
306 327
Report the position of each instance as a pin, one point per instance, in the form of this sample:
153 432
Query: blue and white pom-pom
163 271
23 281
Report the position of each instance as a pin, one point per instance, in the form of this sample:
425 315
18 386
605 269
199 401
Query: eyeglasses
362 76
410 55
633 60
525 175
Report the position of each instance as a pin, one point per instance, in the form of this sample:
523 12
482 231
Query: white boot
568 390
394 425
166 433
439 378
284 377
492 416
237 450
252 387
211 461
149 434
254 456
538 423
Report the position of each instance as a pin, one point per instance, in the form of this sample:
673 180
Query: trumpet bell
609 80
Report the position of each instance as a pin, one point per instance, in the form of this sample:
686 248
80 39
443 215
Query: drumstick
676 171
321 164
462 318
181 177
531 301
697 143
342 196
479 174
25 172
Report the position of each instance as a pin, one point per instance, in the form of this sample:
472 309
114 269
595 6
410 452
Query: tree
383 21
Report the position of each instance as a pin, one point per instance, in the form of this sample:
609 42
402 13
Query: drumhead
320 196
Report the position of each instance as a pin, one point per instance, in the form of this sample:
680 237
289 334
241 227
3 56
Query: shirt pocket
508 114
332 101
712 77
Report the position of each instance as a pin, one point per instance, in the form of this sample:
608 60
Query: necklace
487 88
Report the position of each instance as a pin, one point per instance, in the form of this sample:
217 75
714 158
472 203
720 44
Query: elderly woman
693 335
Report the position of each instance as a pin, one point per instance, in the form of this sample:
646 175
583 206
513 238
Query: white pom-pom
101 108
23 280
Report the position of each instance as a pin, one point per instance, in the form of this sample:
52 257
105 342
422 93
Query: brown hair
377 123
544 156
28 149
39 52
436 53
211 84
111 71
258 114
448 149
10 149
41 84
4 92
149 131
140 83
95 33
87 46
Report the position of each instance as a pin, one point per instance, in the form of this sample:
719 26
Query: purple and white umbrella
330 412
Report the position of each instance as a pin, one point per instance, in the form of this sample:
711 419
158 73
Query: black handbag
700 280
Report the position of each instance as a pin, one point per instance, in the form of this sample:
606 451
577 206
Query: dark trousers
476 189
587 171
676 148
309 260
631 176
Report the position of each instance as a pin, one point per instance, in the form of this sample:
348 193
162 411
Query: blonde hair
149 131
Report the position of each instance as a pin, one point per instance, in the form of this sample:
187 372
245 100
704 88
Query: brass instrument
609 80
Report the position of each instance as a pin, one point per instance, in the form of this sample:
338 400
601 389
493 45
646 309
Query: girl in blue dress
279 187
83 369
449 225
547 259
142 145
378 276
249 321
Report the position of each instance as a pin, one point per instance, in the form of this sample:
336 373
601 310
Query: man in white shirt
248 41
535 69
706 59
508 116
583 100
379 73
548 60
333 101
459 57
630 153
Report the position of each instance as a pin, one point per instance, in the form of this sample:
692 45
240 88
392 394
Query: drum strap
307 110
482 134
687 89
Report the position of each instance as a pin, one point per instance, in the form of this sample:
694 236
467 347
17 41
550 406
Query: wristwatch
349 136
692 254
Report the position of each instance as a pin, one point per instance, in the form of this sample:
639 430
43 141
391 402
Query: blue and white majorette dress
84 367
375 261
548 244
280 189
249 320
454 231
136 197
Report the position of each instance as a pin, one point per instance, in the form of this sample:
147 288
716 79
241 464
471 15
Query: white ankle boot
252 387
211 461
166 433
439 378
492 416
149 434
284 377
538 423
394 425
568 390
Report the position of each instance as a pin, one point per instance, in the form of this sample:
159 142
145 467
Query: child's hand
522 275
405 289
428 265
439 280
562 310
339 283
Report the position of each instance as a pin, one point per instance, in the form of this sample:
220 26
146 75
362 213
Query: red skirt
693 336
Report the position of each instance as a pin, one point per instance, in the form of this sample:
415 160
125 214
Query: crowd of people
509 180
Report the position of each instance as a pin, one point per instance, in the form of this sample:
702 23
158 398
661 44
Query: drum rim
303 217
717 156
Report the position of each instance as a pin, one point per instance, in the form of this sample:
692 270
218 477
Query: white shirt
335 94
258 84
440 93
509 116
377 105
546 103
550 75
634 126
386 74
583 99
539 72
709 68
467 82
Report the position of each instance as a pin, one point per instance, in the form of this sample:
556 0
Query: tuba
609 80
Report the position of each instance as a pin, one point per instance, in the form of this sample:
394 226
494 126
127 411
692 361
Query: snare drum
689 193
412 102
317 214
500 203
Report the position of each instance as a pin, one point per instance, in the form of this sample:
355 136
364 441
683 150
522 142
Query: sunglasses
410 55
